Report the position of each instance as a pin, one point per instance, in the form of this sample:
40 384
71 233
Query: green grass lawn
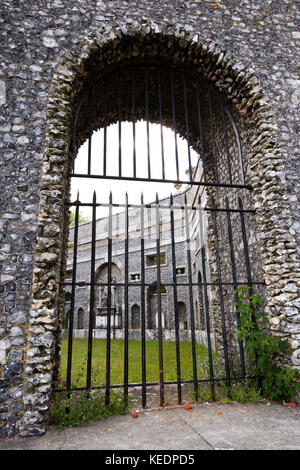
135 361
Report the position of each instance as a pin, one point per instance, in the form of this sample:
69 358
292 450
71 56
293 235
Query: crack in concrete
195 431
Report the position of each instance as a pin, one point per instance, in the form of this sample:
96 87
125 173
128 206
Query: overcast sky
103 187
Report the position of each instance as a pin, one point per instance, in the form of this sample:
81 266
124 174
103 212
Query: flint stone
2 93
42 340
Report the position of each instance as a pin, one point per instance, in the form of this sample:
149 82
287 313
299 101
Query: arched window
80 318
182 319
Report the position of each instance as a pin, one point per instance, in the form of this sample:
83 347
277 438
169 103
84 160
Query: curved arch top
169 96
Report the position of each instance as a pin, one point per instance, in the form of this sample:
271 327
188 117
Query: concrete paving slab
246 427
233 426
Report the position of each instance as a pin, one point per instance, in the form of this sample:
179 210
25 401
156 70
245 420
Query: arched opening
135 317
157 306
129 127
80 318
108 299
182 317
224 141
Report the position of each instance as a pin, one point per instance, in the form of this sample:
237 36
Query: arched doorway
238 85
80 318
108 300
182 317
135 317
156 306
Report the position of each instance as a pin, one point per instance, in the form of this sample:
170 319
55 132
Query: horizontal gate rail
160 206
167 284
159 180
170 382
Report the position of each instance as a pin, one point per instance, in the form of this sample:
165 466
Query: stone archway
264 170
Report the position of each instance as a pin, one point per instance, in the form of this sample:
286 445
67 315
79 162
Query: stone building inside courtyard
81 320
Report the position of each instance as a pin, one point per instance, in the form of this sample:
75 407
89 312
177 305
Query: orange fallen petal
293 404
292 411
220 412
187 406
164 404
134 414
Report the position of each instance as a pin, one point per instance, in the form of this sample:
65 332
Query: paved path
233 426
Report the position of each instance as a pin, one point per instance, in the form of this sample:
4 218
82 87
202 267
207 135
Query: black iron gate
193 249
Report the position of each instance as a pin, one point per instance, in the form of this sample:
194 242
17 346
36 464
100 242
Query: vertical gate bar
92 297
105 129
90 133
143 319
190 282
108 324
248 269
174 125
206 303
133 122
71 324
226 143
120 128
161 126
245 244
212 128
201 132
175 301
160 345
234 278
221 300
246 251
147 123
187 127
126 326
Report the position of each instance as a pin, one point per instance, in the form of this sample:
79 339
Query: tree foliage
81 219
